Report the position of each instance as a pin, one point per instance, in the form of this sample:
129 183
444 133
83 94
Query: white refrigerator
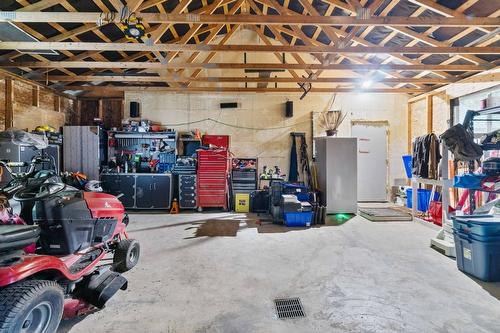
337 173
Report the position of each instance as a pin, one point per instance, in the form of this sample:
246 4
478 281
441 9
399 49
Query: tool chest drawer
187 191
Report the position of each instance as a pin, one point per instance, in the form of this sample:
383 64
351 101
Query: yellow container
242 202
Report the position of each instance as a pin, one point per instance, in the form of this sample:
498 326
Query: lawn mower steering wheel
38 192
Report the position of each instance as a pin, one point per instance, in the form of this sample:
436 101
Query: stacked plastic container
477 245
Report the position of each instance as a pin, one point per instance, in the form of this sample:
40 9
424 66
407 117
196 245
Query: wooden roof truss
408 46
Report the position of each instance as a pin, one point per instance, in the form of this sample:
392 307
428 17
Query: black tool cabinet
187 192
139 191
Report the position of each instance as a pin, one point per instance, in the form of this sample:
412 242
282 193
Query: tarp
23 138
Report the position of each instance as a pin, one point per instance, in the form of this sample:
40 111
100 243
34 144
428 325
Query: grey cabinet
336 161
140 191
84 149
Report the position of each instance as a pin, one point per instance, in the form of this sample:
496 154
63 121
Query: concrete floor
358 277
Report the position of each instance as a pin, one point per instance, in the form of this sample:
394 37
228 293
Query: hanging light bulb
366 84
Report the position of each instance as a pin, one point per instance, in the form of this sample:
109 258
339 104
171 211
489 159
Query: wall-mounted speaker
135 110
232 105
289 109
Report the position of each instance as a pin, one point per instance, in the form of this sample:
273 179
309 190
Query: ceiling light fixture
366 84
132 27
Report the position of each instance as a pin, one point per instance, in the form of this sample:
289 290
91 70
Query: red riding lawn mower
52 263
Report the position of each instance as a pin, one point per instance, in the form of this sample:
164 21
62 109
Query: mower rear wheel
34 306
126 255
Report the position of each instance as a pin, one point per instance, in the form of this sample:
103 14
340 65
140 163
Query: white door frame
378 123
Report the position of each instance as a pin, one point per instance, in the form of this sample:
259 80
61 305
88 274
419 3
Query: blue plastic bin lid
479 238
477 219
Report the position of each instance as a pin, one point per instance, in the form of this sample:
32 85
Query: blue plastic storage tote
407 160
423 198
481 225
298 219
480 259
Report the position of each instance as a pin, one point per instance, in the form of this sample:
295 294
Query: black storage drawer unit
140 191
153 191
244 181
187 192
121 186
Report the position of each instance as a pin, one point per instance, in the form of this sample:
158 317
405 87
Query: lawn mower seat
16 237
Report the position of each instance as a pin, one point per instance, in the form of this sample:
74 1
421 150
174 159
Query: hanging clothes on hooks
426 156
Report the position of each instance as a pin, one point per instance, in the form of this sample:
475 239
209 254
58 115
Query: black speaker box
289 109
231 105
135 111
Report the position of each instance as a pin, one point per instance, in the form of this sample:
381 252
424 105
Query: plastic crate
480 225
167 158
298 219
480 259
423 198
165 167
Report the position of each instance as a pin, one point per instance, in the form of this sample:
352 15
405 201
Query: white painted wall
262 111
265 112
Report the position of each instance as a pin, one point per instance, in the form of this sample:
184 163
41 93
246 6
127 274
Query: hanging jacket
461 143
426 156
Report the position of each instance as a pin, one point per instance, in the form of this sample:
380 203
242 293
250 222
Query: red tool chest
221 141
213 169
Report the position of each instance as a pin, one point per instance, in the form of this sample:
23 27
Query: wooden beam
100 109
430 114
409 134
177 78
39 6
171 18
138 47
35 96
9 103
235 89
57 103
157 65
6 75
84 55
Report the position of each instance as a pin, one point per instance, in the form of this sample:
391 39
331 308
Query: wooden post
9 103
100 113
430 113
78 110
122 109
408 112
57 103
35 96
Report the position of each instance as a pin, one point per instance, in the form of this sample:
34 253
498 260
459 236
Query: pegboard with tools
131 152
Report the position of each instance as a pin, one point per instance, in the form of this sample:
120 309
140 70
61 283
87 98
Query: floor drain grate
289 308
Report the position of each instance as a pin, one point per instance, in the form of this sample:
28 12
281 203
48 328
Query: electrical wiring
235 126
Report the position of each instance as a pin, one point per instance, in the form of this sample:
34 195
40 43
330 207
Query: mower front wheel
126 255
31 306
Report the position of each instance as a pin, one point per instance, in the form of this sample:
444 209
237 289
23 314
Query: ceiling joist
138 47
157 65
326 41
170 18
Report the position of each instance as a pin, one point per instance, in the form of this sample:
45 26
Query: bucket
423 198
